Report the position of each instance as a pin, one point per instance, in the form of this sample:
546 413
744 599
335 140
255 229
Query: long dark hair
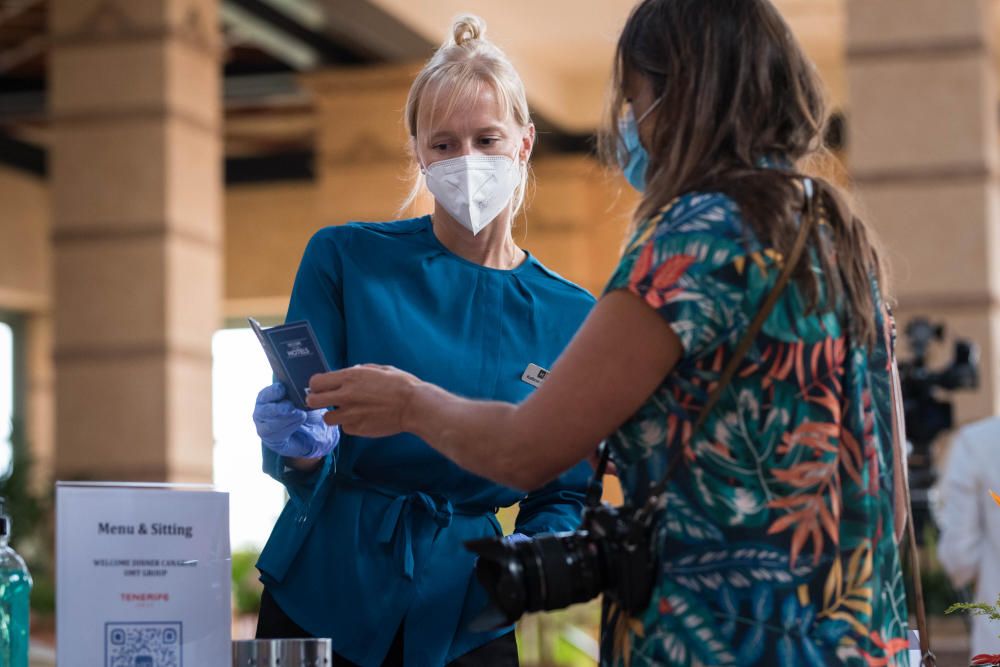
736 88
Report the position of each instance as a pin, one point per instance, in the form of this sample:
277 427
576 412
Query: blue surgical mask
632 156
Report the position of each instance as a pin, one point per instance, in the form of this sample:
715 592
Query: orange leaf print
812 515
783 363
817 436
891 648
806 475
717 360
654 299
799 538
800 366
806 522
829 525
789 502
641 266
804 531
873 467
671 271
835 506
817 540
785 522
826 399
850 455
723 450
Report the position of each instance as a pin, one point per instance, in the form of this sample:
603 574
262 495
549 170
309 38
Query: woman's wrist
414 406
303 464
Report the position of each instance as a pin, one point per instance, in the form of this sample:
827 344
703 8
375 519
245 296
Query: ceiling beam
306 12
276 29
239 92
23 105
372 30
27 50
263 90
244 27
23 156
289 166
12 9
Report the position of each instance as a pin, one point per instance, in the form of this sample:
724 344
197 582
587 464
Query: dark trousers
273 623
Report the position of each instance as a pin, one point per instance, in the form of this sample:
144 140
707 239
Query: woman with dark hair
778 541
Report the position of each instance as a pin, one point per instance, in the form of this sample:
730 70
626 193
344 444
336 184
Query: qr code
142 644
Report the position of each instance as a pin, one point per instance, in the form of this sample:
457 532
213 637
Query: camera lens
547 572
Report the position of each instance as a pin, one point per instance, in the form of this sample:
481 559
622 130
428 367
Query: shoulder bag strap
743 347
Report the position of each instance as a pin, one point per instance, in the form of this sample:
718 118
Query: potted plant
992 611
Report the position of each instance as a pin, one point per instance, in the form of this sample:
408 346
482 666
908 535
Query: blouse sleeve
316 296
687 266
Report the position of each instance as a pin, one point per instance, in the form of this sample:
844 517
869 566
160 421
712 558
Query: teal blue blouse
374 538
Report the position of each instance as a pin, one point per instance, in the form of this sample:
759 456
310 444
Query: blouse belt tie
399 516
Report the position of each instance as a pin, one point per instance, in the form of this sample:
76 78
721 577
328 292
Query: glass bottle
15 597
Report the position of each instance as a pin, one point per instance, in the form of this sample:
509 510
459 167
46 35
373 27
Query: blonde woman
369 549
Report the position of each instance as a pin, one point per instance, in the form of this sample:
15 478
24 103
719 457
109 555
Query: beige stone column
136 192
576 218
924 154
362 164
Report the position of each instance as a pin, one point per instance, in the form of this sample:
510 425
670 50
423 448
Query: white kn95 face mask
474 189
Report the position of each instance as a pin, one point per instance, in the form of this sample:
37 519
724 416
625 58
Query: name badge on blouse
534 375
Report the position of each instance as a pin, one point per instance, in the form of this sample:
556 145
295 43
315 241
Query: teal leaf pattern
739 566
686 524
775 545
688 636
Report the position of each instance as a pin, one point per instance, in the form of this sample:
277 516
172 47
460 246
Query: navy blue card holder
295 356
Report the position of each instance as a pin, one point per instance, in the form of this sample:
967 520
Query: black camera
927 415
612 553
928 412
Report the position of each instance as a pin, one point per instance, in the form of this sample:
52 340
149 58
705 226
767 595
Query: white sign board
143 576
914 649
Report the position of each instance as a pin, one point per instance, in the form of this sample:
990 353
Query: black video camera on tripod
927 413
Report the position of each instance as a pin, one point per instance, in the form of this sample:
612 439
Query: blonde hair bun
467 28
466 66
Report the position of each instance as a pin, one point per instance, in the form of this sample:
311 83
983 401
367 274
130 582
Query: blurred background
163 163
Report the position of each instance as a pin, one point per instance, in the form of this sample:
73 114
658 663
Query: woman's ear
416 155
527 142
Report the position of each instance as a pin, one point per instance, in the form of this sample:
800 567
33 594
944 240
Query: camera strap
927 657
655 500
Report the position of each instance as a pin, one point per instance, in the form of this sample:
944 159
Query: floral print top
776 546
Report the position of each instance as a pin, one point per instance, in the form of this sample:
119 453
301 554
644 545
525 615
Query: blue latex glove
288 431
517 538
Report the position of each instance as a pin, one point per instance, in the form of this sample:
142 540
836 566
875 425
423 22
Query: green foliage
991 611
247 589
43 594
25 508
558 639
